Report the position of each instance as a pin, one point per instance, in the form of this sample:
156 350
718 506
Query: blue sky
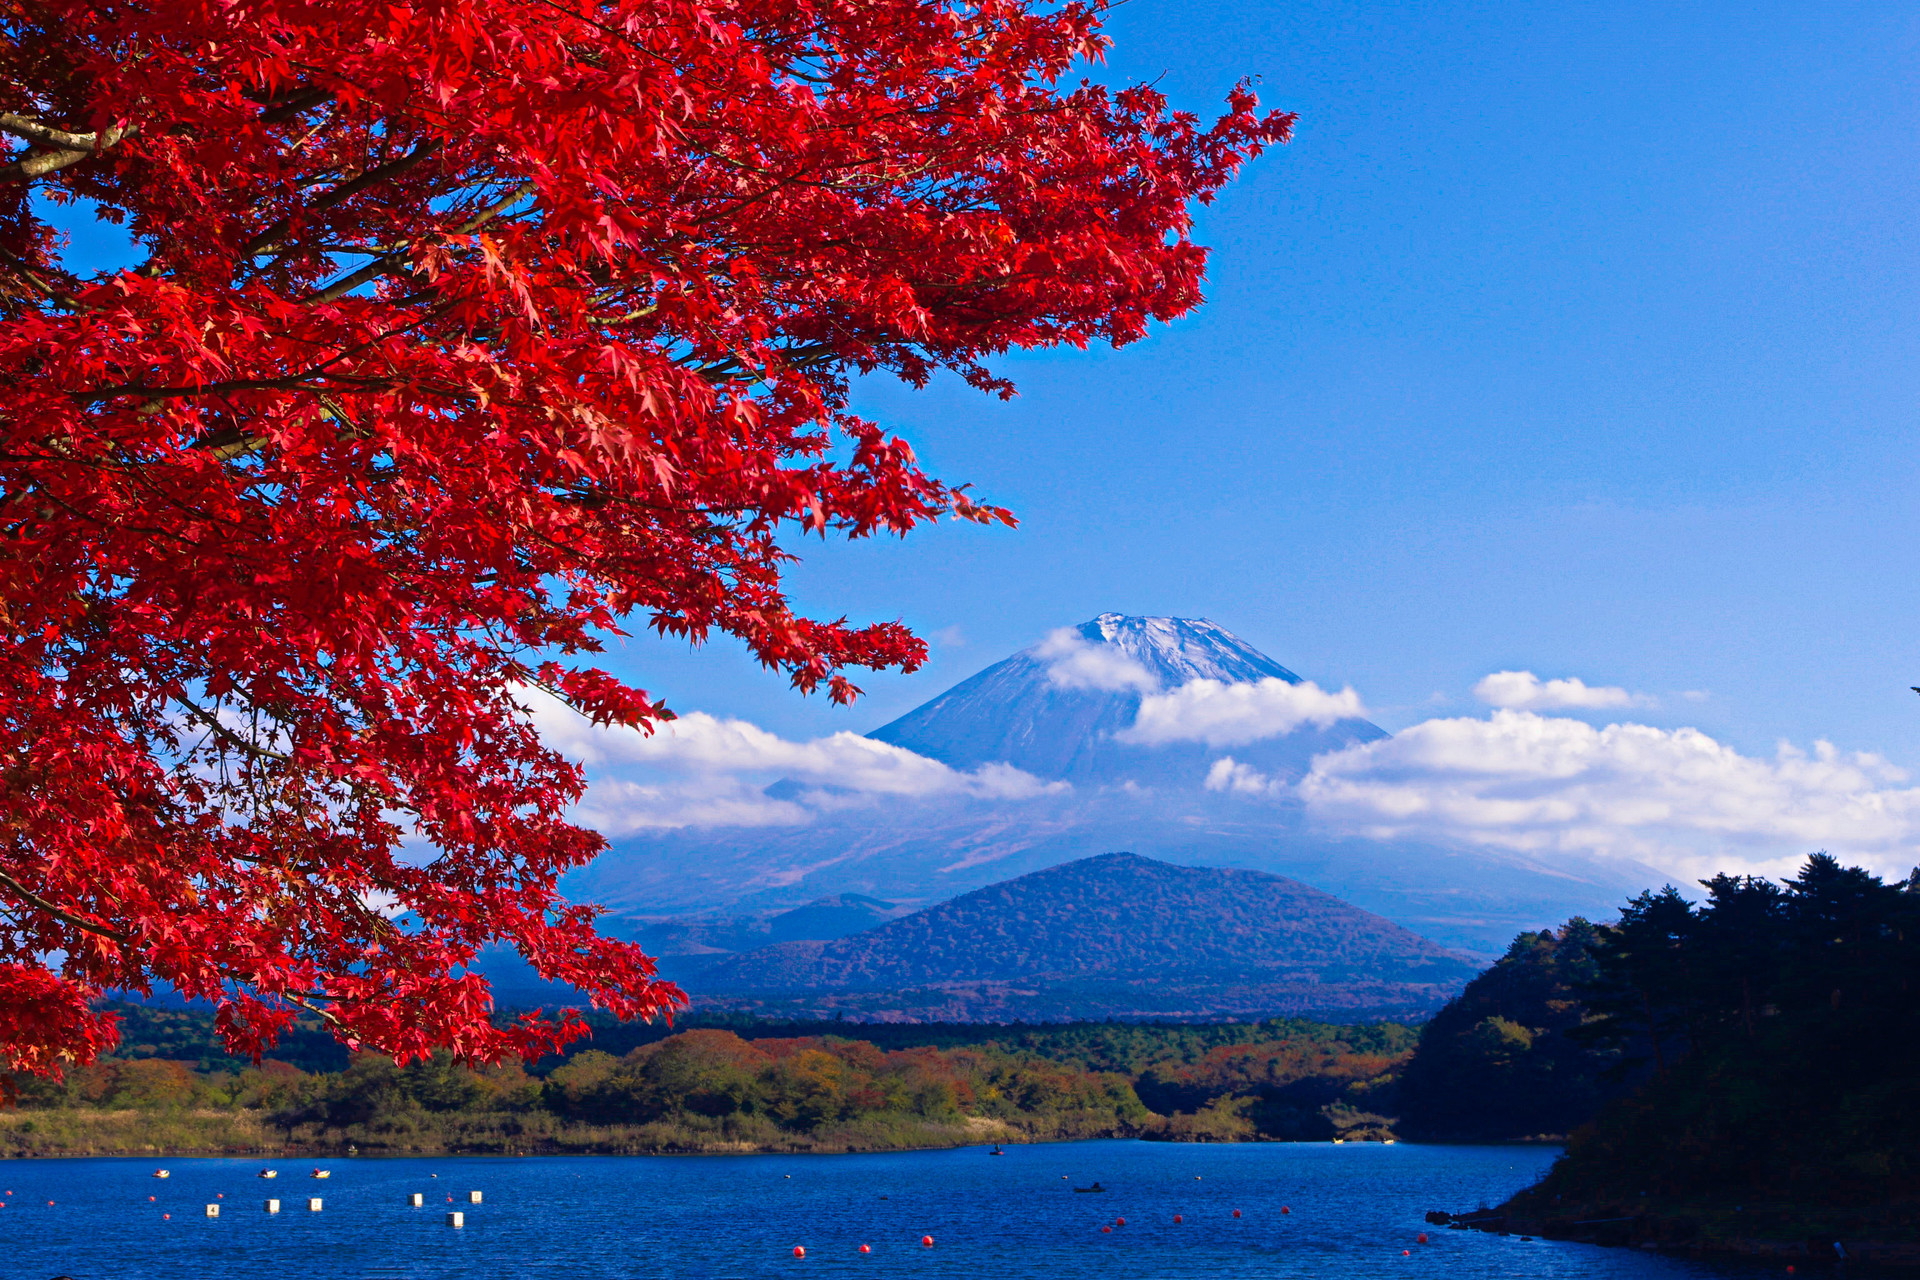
1573 338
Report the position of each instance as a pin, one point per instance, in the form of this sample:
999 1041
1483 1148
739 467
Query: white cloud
1524 691
1228 774
1073 663
1674 798
617 806
701 770
1226 715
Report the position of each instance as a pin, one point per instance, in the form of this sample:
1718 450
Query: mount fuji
1095 712
1062 709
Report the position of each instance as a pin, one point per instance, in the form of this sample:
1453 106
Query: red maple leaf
463 333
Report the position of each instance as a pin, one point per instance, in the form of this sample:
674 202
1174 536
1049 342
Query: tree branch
60 147
268 240
39 903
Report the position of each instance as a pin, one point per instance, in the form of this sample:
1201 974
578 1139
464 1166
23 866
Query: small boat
996 1150
162 1173
1085 1190
321 1173
269 1173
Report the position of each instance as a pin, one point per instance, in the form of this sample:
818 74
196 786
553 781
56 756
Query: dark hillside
1503 1061
1121 934
1776 1032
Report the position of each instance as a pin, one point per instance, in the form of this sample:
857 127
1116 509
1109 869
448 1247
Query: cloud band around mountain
701 770
1226 715
1674 798
1517 780
1074 662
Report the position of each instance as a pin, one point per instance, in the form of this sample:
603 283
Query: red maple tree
460 334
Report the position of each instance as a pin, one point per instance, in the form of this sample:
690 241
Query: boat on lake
321 1173
268 1173
162 1173
1088 1190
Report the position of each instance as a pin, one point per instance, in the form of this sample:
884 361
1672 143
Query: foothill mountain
1111 936
1075 712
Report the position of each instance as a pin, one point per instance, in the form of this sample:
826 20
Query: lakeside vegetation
746 1086
1748 1068
1735 1076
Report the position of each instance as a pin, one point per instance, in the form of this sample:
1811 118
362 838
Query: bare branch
61 147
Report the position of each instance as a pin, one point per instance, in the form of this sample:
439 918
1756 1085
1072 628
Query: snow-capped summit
1063 708
1173 650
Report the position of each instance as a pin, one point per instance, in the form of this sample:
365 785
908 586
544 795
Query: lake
1354 1208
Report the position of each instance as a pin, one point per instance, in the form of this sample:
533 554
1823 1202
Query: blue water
1354 1208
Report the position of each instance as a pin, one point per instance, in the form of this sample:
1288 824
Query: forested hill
1118 935
1737 1075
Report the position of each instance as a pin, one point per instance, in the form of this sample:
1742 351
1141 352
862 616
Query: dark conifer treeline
1761 1047
1779 1025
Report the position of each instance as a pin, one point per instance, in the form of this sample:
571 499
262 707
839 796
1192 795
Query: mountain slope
1054 709
834 916
1116 935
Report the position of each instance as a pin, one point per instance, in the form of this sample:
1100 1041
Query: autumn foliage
458 335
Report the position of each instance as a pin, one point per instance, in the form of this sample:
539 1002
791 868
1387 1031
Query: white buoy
416 1199
273 1206
213 1211
313 1204
456 1219
473 1197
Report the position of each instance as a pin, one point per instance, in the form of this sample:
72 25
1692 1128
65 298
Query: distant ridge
1116 935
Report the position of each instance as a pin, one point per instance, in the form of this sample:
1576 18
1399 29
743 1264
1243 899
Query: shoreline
933 1138
1880 1239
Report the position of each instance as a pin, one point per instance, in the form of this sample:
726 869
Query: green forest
739 1086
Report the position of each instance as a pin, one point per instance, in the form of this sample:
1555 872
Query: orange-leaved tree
456 335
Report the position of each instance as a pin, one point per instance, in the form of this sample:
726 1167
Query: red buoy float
799 1251
1119 1222
1285 1209
1107 1230
1236 1213
1178 1219
166 1217
866 1248
1421 1238
926 1242
1406 1253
